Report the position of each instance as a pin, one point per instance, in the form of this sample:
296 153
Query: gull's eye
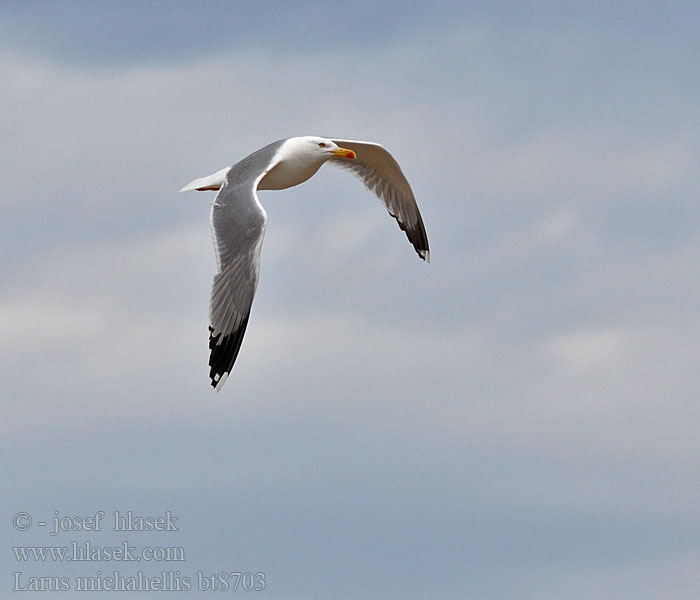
321 145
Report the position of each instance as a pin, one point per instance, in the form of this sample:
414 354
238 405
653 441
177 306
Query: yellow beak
345 153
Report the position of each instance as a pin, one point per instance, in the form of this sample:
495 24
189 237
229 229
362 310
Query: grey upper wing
238 223
380 172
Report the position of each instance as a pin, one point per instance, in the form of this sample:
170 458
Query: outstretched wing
380 172
238 223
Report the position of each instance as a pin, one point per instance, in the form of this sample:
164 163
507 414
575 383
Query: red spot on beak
344 153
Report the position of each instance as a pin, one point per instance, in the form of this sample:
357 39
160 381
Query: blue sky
516 419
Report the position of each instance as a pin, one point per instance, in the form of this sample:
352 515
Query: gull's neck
295 162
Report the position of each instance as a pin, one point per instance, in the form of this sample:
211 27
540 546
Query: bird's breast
288 173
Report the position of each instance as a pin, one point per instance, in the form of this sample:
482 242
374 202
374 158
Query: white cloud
588 351
558 226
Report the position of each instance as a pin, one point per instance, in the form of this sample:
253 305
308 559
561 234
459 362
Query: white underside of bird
239 222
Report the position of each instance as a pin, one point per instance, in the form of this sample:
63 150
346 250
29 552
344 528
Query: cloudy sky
517 419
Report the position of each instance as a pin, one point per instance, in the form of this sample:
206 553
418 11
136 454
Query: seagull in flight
239 221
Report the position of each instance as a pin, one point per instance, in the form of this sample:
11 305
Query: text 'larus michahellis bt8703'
239 222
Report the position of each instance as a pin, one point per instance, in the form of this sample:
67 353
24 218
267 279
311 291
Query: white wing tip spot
220 382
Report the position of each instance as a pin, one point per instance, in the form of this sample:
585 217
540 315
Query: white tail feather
211 182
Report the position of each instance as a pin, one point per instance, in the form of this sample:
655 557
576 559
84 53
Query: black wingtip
418 239
223 353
